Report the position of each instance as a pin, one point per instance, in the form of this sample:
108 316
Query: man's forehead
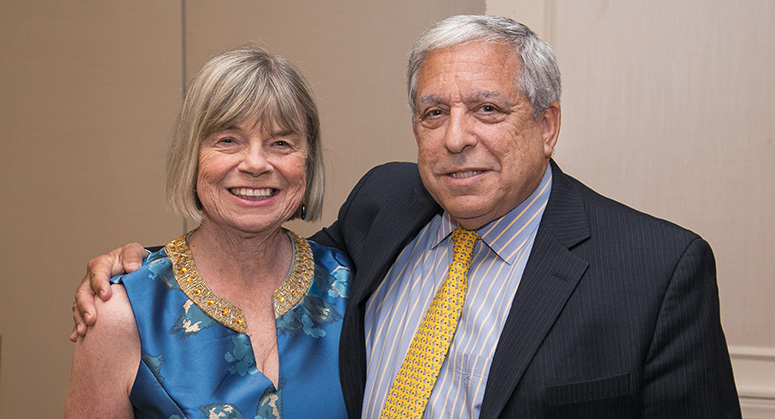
469 62
480 52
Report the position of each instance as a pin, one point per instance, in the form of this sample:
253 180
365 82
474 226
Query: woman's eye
226 140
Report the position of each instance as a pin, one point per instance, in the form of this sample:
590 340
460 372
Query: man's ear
550 125
414 128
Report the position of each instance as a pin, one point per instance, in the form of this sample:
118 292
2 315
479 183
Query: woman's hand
125 259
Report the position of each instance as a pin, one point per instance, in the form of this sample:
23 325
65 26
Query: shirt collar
507 235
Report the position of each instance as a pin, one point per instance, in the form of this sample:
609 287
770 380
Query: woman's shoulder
328 256
115 327
154 265
332 270
94 384
117 311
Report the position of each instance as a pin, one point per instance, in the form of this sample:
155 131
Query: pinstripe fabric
397 307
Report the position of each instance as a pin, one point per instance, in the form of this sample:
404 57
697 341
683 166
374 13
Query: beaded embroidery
285 297
299 279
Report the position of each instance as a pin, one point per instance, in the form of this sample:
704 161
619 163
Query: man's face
481 151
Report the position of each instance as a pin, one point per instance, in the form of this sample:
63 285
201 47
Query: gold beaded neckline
284 298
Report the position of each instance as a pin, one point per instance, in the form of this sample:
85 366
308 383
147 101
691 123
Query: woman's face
251 178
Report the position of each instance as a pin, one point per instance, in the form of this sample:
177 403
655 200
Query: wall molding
754 368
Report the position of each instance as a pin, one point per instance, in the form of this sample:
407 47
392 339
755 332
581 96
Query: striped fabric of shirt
396 308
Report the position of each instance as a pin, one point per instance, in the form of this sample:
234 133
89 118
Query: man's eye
488 108
431 113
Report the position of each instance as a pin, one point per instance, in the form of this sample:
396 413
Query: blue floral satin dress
197 359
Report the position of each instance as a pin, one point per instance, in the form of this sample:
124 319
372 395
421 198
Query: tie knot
463 242
464 237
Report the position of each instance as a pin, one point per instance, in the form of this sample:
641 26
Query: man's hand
127 258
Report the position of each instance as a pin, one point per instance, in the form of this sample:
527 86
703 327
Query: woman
238 318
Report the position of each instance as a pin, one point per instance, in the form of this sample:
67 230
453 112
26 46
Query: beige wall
88 93
667 107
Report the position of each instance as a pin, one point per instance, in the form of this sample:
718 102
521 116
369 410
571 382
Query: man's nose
459 134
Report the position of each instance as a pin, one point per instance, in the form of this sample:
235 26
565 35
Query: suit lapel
391 234
551 275
393 224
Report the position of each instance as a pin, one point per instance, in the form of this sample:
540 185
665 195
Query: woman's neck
250 259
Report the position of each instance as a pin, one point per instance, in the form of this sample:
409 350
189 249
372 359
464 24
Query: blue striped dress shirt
395 310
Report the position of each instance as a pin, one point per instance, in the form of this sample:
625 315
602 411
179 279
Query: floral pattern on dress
192 320
242 356
221 411
340 285
271 403
154 364
159 269
315 310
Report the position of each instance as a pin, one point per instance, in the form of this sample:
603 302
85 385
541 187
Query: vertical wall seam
550 17
183 72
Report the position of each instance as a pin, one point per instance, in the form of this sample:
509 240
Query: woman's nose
254 161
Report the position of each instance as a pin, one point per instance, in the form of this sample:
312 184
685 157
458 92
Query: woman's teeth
247 193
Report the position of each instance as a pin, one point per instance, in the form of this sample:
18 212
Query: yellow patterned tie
417 376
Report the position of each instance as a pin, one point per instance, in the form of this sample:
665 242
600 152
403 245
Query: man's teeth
463 175
251 193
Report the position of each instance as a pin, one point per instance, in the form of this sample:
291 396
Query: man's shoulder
603 212
393 172
389 196
390 182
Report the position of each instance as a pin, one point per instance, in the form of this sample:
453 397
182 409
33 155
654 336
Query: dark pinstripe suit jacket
616 316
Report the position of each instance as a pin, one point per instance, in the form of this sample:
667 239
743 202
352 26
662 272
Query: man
576 306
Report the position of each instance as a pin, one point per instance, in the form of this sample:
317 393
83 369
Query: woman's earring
303 211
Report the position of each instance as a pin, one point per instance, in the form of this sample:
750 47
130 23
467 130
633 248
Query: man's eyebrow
431 99
473 97
487 95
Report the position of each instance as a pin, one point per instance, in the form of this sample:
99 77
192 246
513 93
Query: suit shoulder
606 210
389 181
394 172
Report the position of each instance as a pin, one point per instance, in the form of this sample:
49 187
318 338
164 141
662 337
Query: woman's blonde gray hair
247 82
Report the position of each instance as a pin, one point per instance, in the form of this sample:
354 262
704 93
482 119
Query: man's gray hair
539 76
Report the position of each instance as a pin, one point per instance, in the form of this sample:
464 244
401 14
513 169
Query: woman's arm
127 258
105 363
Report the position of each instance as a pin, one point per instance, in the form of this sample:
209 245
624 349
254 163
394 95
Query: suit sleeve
687 372
334 235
